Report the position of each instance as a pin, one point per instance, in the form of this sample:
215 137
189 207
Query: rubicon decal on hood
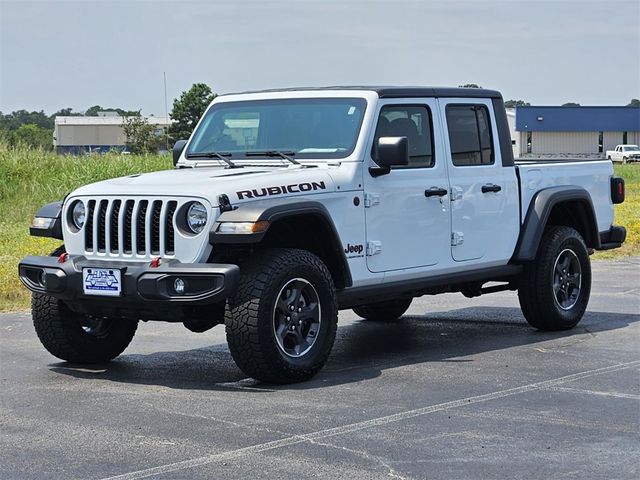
281 190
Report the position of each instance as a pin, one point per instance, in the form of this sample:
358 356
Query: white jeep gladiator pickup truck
288 205
624 154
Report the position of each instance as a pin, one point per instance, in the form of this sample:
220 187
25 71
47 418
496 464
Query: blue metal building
544 130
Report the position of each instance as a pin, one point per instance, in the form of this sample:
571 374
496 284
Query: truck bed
592 175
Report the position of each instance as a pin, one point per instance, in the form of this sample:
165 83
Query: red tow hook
63 257
155 263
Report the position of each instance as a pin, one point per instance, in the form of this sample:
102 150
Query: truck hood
241 184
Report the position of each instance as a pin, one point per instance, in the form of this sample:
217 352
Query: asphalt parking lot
457 389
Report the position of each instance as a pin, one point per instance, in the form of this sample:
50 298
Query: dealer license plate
102 281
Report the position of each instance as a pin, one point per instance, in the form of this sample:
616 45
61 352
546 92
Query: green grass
32 178
627 214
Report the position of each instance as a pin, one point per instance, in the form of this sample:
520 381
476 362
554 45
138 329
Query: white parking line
375 422
629 396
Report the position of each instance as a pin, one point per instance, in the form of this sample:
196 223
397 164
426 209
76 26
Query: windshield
630 148
306 127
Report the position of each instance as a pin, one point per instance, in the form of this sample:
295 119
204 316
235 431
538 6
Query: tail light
617 189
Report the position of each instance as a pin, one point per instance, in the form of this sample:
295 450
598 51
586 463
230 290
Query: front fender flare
53 211
270 212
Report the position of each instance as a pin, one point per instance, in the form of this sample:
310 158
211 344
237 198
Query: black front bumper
147 292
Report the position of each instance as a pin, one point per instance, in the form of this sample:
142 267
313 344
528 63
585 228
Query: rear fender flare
538 215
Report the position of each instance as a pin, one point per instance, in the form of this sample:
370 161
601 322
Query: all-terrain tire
254 312
383 311
78 338
550 297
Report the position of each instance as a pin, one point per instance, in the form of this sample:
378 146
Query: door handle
435 192
491 188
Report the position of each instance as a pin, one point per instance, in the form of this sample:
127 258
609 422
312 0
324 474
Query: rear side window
413 122
470 135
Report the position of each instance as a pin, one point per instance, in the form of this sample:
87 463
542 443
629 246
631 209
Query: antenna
166 111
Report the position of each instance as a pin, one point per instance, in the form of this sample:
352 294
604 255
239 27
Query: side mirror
178 147
390 151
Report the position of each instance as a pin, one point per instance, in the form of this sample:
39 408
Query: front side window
470 136
413 122
308 128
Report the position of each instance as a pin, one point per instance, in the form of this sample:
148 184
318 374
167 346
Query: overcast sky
56 54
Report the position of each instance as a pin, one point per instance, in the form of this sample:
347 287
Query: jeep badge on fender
353 248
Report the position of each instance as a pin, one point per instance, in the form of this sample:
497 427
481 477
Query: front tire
282 321
79 338
383 311
554 289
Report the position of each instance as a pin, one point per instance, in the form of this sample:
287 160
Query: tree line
35 129
522 103
186 111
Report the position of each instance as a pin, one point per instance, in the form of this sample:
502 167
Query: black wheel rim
96 327
567 279
296 317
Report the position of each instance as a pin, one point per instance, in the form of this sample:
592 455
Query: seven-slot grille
130 227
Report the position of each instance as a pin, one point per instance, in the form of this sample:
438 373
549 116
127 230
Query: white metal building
77 135
515 138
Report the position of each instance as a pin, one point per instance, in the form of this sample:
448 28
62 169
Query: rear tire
554 289
282 321
383 311
79 338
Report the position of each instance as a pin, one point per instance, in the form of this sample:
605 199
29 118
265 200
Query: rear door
484 194
406 229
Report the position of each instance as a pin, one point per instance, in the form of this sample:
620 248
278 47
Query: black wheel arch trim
538 215
267 211
50 210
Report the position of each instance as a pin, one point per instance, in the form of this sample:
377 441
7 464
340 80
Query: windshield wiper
219 155
274 153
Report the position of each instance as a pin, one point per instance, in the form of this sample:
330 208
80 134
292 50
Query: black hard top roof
397 92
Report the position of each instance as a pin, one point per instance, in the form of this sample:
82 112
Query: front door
407 210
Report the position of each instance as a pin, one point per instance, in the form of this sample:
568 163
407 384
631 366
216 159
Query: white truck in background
624 154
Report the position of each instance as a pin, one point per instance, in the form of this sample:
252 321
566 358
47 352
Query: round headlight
196 217
78 215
